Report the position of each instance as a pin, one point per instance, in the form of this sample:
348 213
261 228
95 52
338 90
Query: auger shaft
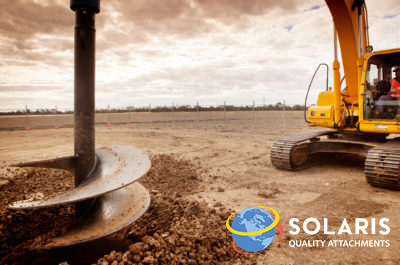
84 104
84 87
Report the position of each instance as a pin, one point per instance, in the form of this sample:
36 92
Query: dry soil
201 174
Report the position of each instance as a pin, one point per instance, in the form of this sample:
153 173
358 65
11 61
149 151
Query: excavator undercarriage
382 157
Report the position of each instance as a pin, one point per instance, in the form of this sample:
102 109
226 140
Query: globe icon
251 220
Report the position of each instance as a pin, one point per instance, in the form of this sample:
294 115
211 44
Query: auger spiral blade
119 201
110 213
61 163
116 168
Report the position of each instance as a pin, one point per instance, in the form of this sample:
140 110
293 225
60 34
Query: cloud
233 9
22 20
176 50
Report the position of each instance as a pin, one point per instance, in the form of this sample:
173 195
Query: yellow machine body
360 116
346 109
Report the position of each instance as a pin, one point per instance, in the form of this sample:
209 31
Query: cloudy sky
176 51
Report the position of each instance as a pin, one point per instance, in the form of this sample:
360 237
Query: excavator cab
379 104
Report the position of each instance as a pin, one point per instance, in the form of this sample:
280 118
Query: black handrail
308 90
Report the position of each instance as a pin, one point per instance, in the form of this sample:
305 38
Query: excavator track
286 153
382 165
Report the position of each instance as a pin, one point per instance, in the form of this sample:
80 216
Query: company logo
362 226
253 229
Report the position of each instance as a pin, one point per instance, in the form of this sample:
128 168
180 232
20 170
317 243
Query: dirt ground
232 172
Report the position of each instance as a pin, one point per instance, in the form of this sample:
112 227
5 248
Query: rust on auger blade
106 196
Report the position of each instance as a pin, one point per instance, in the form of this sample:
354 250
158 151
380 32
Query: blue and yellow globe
254 220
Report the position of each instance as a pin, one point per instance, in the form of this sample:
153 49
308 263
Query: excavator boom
348 17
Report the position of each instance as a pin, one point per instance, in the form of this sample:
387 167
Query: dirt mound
23 230
175 229
169 174
178 231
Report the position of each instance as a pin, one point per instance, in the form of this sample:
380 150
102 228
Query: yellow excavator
362 116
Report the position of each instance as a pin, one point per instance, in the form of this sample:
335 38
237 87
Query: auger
106 195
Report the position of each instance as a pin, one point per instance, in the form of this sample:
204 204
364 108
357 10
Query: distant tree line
35 112
186 108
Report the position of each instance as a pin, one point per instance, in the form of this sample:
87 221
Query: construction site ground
201 173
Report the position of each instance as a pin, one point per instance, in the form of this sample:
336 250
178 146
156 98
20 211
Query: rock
136 258
136 248
112 256
148 260
102 261
191 262
126 256
146 247
218 204
152 242
192 255
119 256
